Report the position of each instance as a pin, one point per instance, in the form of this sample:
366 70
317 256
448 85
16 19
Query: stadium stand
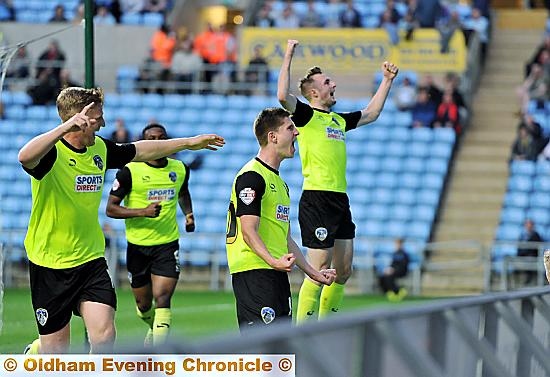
395 174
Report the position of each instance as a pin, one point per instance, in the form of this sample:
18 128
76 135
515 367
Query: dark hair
152 125
268 120
306 81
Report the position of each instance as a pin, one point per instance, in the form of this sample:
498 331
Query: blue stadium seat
428 197
168 117
374 148
432 181
516 199
424 213
375 133
373 228
540 216
520 183
391 164
153 101
370 163
131 19
387 180
401 135
402 213
446 135
441 150
419 230
402 119
512 215
395 149
542 183
152 19
542 167
539 200
437 166
379 212
196 102
414 165
424 135
508 232
396 228
383 196
522 167
15 112
418 148
410 180
405 196
359 195
174 101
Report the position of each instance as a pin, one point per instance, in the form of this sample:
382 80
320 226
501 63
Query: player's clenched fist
389 70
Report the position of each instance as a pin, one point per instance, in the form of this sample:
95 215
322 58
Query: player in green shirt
260 249
152 192
64 242
325 218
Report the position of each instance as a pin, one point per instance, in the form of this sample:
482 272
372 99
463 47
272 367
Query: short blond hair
73 99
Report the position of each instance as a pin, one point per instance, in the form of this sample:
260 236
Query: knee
343 275
103 339
143 304
162 300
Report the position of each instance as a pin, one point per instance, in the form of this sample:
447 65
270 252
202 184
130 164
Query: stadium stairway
477 182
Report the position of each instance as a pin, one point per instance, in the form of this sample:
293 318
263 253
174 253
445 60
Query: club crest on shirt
267 314
98 162
247 195
42 316
335 134
173 176
321 233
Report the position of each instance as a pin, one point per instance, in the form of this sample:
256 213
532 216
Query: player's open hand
389 70
284 263
152 210
80 121
210 141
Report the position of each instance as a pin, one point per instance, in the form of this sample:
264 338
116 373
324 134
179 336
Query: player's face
325 88
286 137
95 113
155 133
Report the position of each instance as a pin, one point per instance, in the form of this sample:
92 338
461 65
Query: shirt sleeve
352 119
122 184
250 188
44 166
302 115
119 155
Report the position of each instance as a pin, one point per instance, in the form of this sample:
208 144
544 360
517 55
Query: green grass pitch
195 315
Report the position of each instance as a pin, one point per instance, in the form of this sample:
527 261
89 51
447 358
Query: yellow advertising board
358 50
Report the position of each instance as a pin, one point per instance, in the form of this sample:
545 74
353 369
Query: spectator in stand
435 94
155 6
390 26
186 66
257 73
524 148
65 80
404 95
535 87
535 131
52 59
19 67
78 14
529 234
263 18
447 114
480 24
225 58
408 24
46 88
121 134
332 14
427 12
423 112
205 47
59 14
104 17
540 56
311 18
452 84
116 10
350 17
394 14
398 268
288 19
163 44
447 24
131 6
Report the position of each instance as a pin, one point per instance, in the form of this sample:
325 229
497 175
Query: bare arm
32 152
117 211
375 106
249 225
148 150
323 276
186 206
287 100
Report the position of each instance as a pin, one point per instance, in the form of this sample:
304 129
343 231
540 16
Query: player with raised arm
151 192
260 249
324 214
64 242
